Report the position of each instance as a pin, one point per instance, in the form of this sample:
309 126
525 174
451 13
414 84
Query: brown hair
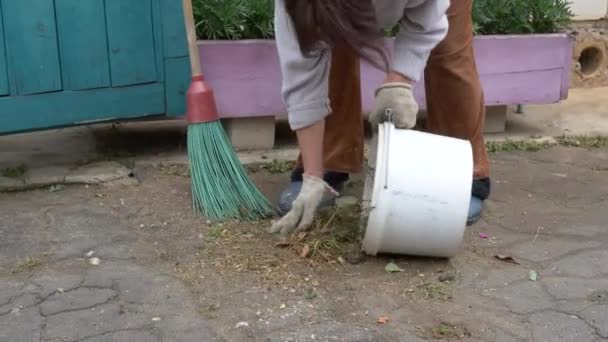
335 22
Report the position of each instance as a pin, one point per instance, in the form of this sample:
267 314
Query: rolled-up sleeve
423 26
305 78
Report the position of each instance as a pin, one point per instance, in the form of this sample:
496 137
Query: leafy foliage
253 19
234 19
521 16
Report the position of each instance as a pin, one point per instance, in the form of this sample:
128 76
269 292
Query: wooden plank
131 42
567 68
27 113
157 18
533 53
529 87
4 90
178 81
82 44
538 87
31 44
174 30
247 68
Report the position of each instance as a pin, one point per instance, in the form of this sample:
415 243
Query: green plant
279 166
14 171
253 19
515 145
521 16
583 141
26 265
233 19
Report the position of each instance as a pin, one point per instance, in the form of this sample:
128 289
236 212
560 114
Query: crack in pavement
110 300
542 264
38 300
528 316
557 310
589 325
75 288
79 257
149 329
92 287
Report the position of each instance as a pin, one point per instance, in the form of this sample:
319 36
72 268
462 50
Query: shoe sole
473 220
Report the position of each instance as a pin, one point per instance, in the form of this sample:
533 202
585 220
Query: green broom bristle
221 188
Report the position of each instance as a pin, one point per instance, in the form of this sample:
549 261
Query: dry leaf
391 267
506 258
533 275
305 252
383 320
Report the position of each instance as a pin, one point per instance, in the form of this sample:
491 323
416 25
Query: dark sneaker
334 179
475 210
480 192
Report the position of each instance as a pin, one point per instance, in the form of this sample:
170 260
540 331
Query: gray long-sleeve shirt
423 24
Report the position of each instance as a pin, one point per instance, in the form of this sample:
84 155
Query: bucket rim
374 231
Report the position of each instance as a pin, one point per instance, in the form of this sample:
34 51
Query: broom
221 188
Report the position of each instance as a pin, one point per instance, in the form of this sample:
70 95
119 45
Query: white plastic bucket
421 194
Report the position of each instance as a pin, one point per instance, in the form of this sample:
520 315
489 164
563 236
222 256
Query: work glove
301 217
397 101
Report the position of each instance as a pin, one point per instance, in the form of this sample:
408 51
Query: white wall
590 9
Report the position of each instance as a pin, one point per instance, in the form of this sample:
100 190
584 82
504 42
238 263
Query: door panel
131 42
3 71
83 44
72 62
31 43
25 113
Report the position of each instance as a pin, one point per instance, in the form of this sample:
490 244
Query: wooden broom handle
195 62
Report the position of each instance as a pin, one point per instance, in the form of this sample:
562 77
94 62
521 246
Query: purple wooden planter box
514 70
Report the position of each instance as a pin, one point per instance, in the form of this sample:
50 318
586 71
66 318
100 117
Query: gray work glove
303 210
398 99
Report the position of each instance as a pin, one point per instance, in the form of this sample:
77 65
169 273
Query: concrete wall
590 9
590 57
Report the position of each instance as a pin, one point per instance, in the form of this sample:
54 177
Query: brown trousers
455 103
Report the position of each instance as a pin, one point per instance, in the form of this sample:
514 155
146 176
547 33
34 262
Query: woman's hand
302 215
314 189
395 96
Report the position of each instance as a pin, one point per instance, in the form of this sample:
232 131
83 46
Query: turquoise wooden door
70 62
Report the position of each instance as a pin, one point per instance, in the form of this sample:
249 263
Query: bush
234 19
253 19
520 16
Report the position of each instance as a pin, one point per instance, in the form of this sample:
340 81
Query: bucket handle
387 131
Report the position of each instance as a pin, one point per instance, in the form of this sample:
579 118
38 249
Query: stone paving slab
47 176
597 316
72 300
584 265
128 335
556 326
24 325
574 288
